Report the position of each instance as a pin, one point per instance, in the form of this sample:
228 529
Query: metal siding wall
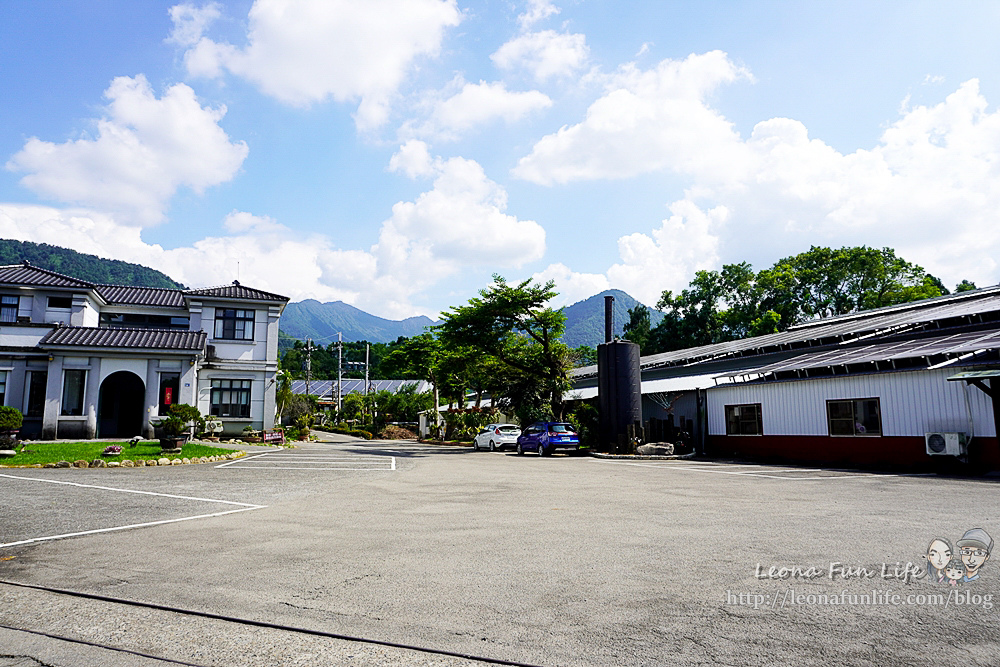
912 403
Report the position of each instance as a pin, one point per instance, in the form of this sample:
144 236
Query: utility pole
309 363
366 369
340 365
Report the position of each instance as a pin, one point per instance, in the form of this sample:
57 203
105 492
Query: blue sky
395 154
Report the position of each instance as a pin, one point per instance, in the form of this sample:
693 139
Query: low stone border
643 457
141 463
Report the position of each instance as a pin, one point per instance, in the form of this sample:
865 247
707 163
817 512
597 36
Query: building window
74 382
3 387
8 308
234 324
169 386
37 380
744 420
64 302
231 398
856 416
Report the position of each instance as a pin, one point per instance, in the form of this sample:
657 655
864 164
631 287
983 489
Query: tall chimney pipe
609 318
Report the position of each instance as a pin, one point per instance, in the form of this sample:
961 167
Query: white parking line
312 461
243 507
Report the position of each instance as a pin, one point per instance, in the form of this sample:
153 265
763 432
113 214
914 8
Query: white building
868 388
83 360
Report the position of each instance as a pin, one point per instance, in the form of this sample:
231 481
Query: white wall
912 403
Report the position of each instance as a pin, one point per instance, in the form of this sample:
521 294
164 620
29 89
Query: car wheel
493 446
475 445
541 450
520 449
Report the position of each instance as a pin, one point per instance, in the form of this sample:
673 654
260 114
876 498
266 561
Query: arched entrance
120 406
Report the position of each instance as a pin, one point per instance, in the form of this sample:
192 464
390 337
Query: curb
128 463
643 457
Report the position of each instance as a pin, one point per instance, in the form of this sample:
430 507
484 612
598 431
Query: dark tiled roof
142 296
145 339
25 274
236 291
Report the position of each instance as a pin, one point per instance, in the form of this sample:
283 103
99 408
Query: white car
496 436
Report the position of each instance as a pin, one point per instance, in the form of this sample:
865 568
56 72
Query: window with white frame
3 387
744 420
8 308
74 384
234 323
854 416
231 398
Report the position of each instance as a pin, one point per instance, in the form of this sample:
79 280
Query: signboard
168 395
274 436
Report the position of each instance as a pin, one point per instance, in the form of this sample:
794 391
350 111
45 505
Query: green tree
638 327
964 286
513 325
736 303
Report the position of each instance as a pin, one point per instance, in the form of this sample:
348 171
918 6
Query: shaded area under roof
133 339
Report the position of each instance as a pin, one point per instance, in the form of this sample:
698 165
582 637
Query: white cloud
572 286
348 50
647 121
191 22
413 159
459 224
478 104
930 187
146 148
537 10
546 54
685 242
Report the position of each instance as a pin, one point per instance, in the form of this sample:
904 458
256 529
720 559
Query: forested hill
322 321
85 267
585 319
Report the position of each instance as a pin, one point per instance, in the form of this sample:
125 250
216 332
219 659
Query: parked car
496 436
547 437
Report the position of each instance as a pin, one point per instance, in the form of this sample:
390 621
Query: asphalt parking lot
545 561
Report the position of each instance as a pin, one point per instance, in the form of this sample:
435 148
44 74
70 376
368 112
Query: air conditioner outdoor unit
945 444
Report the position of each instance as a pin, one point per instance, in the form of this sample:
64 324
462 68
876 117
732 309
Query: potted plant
304 422
177 425
10 424
250 434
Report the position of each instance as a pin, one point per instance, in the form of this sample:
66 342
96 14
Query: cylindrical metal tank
619 390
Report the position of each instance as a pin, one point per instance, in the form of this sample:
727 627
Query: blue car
547 437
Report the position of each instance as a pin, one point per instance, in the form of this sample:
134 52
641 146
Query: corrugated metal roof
845 329
236 291
146 339
328 388
161 297
26 274
948 346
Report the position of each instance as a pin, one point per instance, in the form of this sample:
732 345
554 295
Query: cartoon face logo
938 554
954 571
974 548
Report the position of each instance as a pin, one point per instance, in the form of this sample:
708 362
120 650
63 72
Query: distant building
326 390
83 360
881 387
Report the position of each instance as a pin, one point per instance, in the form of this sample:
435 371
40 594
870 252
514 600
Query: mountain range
310 318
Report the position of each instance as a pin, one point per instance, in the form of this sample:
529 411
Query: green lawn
52 452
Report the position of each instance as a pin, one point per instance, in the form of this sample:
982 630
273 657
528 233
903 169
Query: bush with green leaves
179 420
10 418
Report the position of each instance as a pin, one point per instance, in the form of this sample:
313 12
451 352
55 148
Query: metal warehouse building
905 385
